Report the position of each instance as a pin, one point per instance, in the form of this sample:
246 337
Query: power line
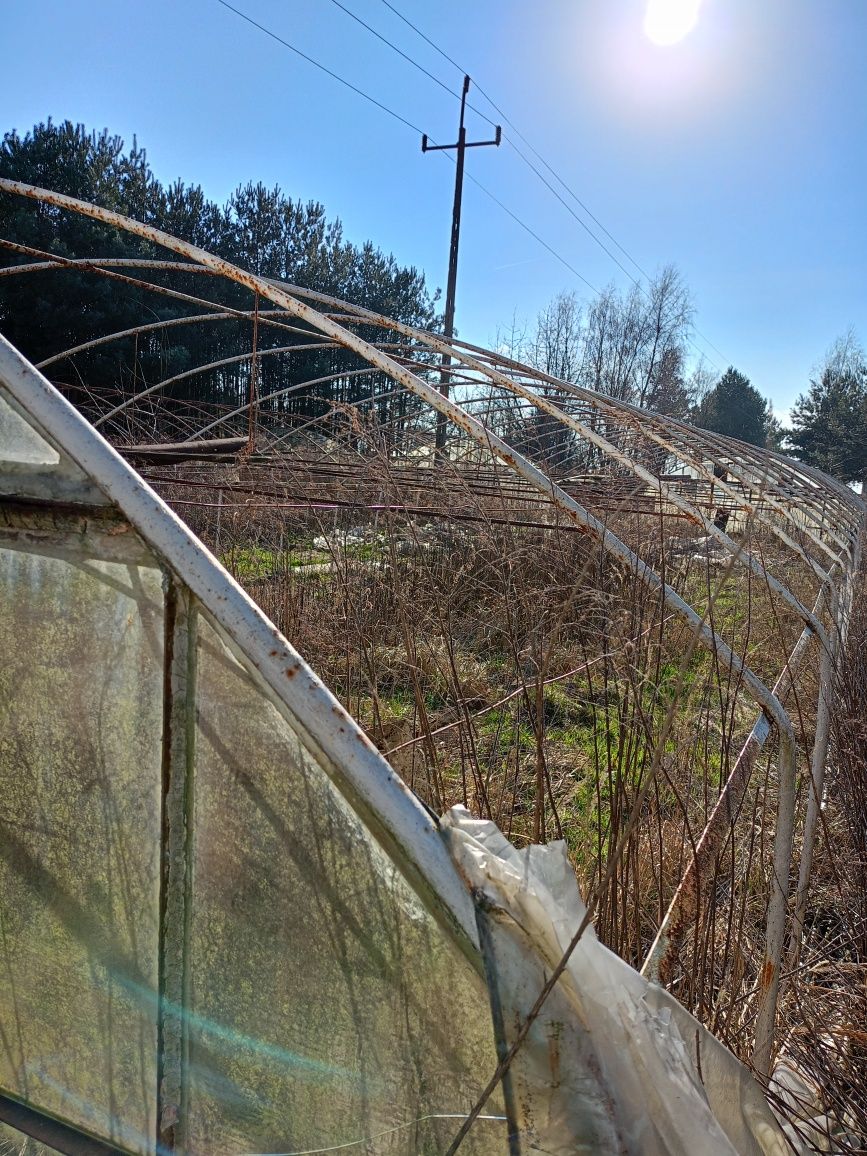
511 143
532 233
321 67
404 121
427 40
507 120
570 191
593 218
444 55
513 146
408 124
408 58
573 214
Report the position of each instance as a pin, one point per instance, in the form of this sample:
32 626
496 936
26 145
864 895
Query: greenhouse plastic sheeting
322 992
612 1063
80 736
31 466
320 987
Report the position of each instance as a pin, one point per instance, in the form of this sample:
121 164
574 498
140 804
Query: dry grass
504 662
826 1006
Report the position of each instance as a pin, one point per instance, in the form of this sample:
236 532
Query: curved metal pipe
571 509
234 360
618 410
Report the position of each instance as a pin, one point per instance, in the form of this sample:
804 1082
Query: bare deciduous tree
629 345
557 345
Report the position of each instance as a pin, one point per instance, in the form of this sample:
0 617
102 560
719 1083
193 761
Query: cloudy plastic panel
324 1005
80 757
19 441
328 1006
31 467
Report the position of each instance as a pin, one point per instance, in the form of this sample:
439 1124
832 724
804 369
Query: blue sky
737 154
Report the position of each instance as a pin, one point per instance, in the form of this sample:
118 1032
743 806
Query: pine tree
735 408
259 229
829 421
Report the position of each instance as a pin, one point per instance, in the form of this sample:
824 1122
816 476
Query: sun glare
668 21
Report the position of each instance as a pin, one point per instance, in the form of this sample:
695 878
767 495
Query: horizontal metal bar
61 1137
470 144
56 533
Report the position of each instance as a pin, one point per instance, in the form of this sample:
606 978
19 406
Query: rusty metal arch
748 465
685 442
715 445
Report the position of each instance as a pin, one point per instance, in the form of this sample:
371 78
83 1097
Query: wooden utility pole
461 145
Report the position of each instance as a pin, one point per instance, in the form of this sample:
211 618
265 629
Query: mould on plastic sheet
555 1031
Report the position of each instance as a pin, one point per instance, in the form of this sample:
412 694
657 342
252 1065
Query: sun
668 21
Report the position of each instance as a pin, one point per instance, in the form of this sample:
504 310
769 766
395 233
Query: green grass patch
250 563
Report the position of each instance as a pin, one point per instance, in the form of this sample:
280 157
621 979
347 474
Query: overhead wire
508 121
427 39
408 58
322 68
496 200
411 60
572 212
511 143
514 216
531 232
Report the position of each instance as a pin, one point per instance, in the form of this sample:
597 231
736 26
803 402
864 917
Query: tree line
632 345
260 229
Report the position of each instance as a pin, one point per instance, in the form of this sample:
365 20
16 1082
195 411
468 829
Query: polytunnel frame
684 903
738 456
667 493
581 518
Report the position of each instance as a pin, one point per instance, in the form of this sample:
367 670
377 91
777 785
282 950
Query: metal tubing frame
620 411
576 513
329 732
838 606
56 1134
735 453
178 769
689 455
682 909
627 414
666 493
